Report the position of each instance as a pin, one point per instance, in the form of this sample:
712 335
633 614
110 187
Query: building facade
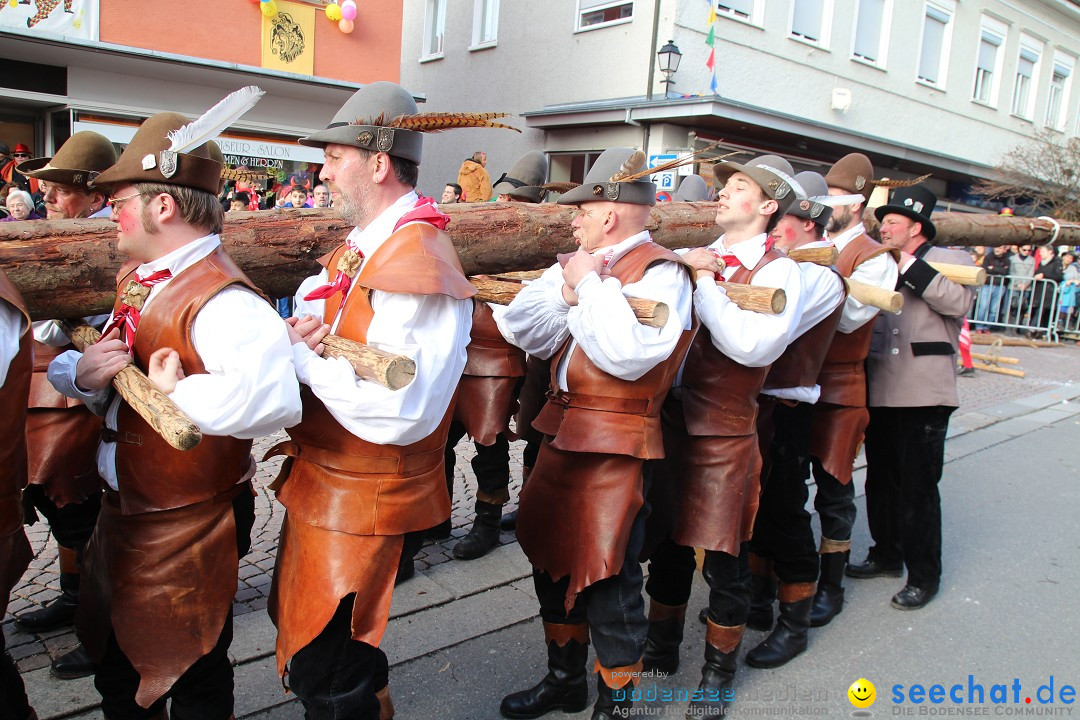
921 86
106 65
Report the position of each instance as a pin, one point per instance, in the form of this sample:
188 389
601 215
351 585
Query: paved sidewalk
465 600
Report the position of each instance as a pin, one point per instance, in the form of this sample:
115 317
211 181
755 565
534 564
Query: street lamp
669 57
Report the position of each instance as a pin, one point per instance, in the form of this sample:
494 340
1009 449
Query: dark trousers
205 691
13 702
72 524
835 503
336 677
491 465
613 607
782 530
671 572
905 453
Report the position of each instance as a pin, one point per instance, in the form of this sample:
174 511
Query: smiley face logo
862 693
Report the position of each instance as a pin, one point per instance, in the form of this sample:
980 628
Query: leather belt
112 436
630 406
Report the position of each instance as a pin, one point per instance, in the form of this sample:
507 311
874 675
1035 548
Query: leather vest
417 259
843 374
42 394
601 413
489 355
719 395
13 394
801 362
151 474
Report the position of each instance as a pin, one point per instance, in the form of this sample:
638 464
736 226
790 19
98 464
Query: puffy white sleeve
249 388
433 330
11 327
750 338
880 271
607 330
536 318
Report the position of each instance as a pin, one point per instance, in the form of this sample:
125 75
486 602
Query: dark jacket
995 265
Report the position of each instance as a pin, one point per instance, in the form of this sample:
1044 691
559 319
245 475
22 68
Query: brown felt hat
853 173
147 159
773 174
78 162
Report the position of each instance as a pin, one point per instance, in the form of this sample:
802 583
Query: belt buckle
112 436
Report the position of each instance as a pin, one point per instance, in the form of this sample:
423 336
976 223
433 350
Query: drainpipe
652 70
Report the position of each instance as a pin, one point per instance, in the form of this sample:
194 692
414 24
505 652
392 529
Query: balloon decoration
345 26
268 8
348 10
333 12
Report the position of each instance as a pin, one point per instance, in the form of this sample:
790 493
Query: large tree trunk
67 268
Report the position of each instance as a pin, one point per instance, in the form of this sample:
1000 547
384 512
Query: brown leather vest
601 413
42 393
13 395
151 474
719 395
843 375
489 353
417 259
801 363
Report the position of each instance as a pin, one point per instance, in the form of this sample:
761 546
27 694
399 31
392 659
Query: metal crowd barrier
1018 304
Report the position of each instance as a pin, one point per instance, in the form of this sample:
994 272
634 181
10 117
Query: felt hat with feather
854 173
813 202
78 161
772 173
382 117
915 203
525 180
618 175
171 149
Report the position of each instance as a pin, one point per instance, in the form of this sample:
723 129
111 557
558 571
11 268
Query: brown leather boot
665 635
565 687
718 672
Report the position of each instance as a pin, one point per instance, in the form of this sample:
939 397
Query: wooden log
961 274
999 370
648 312
978 339
995 359
67 268
369 363
961 229
819 255
137 390
887 300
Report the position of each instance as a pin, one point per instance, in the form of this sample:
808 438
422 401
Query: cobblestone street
1046 368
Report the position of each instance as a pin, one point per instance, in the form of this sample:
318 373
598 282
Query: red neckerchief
128 315
733 262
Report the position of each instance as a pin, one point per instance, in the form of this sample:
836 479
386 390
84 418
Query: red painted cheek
745 208
126 224
789 234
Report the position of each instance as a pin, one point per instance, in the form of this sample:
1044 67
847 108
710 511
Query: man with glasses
10 172
61 433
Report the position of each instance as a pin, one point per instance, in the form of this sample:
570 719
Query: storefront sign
288 39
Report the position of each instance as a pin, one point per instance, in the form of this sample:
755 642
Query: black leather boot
484 534
789 638
58 612
665 635
762 597
718 672
566 686
75 663
611 704
829 600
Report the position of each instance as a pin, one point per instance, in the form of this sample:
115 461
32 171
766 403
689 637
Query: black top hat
915 203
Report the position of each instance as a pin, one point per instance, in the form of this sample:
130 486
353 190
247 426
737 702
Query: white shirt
12 323
249 389
750 338
433 330
823 291
879 271
602 324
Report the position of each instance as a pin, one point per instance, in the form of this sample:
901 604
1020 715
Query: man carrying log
488 391
366 463
582 514
840 415
706 489
62 434
911 379
155 611
782 533
15 551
